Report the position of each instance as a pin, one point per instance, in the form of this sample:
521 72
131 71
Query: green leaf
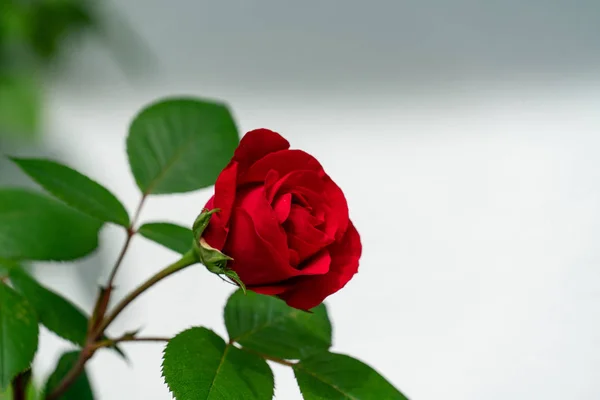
75 189
36 227
18 334
198 365
329 376
53 21
174 237
22 384
180 145
269 326
80 389
32 393
55 312
20 105
6 266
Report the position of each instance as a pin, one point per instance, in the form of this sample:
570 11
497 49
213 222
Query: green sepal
231 274
214 260
202 222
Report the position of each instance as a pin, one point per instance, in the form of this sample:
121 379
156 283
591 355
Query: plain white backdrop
477 200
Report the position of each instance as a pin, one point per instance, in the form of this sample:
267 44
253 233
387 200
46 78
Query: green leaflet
18 334
269 326
75 189
174 237
36 227
199 365
329 376
179 145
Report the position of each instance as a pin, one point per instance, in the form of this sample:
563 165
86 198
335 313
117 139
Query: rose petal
349 245
318 265
338 215
265 220
223 199
295 180
315 203
225 189
300 217
215 233
256 144
282 207
310 291
294 257
319 216
302 236
283 161
298 198
270 181
269 290
255 260
303 248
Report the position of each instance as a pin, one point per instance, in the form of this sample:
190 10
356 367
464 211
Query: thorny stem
109 343
94 332
130 339
130 233
105 293
84 356
91 345
99 323
266 357
277 360
19 385
126 338
186 260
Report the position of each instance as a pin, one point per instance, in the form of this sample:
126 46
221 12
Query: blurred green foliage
33 34
32 393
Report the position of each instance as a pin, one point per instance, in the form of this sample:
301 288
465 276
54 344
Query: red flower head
283 221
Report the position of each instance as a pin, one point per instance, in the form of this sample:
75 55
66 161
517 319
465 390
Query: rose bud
283 222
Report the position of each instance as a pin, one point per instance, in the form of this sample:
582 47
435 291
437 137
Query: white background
466 141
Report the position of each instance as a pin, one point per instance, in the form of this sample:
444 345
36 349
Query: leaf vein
346 395
169 164
264 325
212 384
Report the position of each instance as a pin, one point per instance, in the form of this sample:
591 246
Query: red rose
283 221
